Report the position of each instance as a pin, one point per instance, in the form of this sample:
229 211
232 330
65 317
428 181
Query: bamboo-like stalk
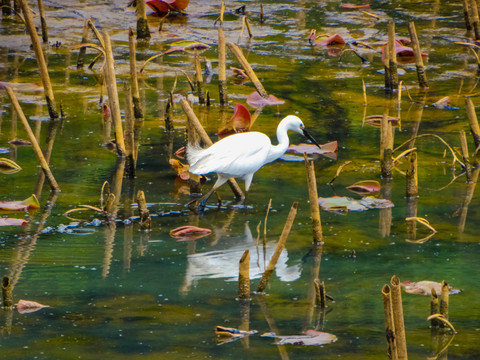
199 80
96 32
466 15
322 294
43 21
42 64
473 121
33 140
389 323
475 19
129 135
193 120
392 58
222 76
386 147
397 310
462 217
248 69
313 198
143 32
145 220
411 176
83 49
466 159
244 276
434 308
7 292
262 15
111 83
137 105
422 77
443 304
169 113
247 25
278 250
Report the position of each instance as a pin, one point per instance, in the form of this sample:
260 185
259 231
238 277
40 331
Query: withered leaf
365 187
189 232
27 306
30 203
12 222
310 337
424 287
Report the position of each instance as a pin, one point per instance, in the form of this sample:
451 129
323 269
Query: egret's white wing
235 155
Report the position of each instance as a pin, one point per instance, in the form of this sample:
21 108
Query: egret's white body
242 154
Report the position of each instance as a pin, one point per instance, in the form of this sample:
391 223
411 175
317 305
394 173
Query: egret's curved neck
278 150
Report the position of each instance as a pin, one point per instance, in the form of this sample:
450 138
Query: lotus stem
43 21
199 79
313 198
7 292
466 159
278 250
466 15
397 309
145 220
222 77
244 276
475 19
248 69
443 304
81 54
42 64
137 106
111 82
129 135
389 323
386 145
321 295
143 32
422 78
391 74
433 307
411 176
473 120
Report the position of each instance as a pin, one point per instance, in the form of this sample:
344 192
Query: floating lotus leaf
12 222
310 337
344 204
444 104
164 6
256 101
425 287
365 187
189 232
30 203
27 306
226 334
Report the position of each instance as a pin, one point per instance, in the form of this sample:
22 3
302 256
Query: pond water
117 291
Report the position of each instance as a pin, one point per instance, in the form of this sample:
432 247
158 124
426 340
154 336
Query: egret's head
294 123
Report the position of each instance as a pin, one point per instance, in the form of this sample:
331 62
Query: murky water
119 292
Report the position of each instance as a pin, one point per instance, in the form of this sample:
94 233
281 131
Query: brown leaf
180 153
12 222
27 306
350 6
164 6
30 203
189 232
256 101
365 187
239 72
424 287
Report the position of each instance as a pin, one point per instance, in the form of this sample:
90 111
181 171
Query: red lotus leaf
180 153
256 101
189 232
239 72
401 50
12 222
365 187
350 6
239 122
164 6
328 149
333 40
27 306
23 205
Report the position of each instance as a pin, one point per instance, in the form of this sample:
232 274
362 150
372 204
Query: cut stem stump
145 220
422 77
313 198
278 250
7 292
143 32
389 323
397 308
473 121
222 77
244 276
411 176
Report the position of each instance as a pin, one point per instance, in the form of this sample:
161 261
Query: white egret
241 155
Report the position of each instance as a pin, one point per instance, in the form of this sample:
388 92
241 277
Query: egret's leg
199 204
248 180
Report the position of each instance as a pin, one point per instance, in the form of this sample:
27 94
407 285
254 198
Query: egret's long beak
310 137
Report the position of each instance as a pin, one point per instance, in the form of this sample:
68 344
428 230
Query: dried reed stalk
466 159
434 308
391 72
422 77
42 64
321 294
33 140
244 276
472 119
129 135
466 14
7 292
143 32
443 304
169 113
389 323
199 80
145 220
111 83
278 250
195 123
83 49
313 198
386 147
222 76
248 69
137 105
397 310
475 19
411 176
43 21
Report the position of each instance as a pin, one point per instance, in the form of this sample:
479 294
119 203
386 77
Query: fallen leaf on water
8 166
12 222
187 45
335 39
180 153
365 187
20 142
344 204
256 101
310 337
376 120
27 204
226 334
424 287
189 232
444 104
402 51
240 121
238 72
27 306
328 149
164 6
27 87
350 6
443 319
180 168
